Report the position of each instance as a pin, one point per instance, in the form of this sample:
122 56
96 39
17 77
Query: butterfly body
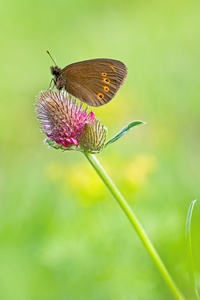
94 81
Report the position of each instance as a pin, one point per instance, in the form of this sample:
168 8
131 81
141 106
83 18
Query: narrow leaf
189 248
123 131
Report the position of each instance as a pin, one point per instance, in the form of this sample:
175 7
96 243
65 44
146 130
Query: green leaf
189 248
123 131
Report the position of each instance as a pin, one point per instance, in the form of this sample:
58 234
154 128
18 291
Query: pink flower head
67 125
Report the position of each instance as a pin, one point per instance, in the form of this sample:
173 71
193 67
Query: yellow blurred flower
80 178
139 168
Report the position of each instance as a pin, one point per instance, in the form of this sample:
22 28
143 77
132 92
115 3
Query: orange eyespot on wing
106 80
106 88
100 96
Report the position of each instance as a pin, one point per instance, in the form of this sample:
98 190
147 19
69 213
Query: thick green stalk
136 224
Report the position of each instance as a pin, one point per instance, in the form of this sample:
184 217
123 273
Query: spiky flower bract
67 125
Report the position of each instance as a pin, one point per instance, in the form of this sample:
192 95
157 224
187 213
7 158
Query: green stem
136 224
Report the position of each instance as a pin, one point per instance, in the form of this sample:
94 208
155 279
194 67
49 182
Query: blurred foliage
61 234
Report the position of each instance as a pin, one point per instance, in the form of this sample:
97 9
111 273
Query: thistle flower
67 125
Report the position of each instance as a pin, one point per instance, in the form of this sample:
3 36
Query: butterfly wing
94 81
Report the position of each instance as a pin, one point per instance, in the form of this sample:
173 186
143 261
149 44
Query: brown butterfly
94 81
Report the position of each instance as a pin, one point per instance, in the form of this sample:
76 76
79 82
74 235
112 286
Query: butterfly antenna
51 57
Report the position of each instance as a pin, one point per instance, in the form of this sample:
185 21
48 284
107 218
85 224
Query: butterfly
94 81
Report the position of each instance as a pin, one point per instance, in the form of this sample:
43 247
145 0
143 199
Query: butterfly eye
107 80
100 96
104 74
106 88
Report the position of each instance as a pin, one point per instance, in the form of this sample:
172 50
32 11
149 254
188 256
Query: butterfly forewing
94 81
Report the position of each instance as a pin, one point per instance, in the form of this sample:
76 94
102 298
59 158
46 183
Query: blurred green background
62 235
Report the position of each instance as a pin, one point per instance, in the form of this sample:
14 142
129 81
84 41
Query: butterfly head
56 71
